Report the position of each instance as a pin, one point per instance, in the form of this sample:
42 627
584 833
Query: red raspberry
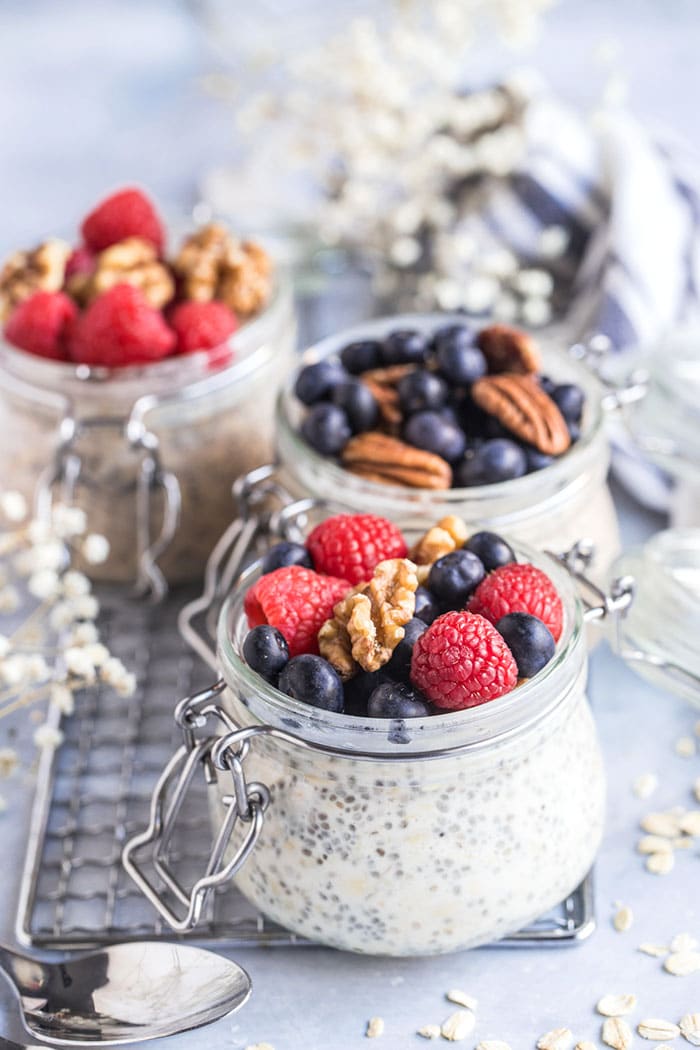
41 324
120 328
202 326
297 601
462 661
80 261
519 588
351 545
127 213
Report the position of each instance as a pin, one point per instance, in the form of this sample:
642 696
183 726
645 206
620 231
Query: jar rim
556 475
248 343
363 737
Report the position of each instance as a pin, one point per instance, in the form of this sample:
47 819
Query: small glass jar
148 452
552 507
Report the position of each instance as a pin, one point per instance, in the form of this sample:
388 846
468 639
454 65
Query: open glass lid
659 636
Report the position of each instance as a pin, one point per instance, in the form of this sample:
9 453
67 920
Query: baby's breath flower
75 584
97 653
83 634
68 521
85 607
44 584
38 531
78 662
62 697
95 548
62 615
13 506
46 737
9 761
13 669
37 669
48 555
114 673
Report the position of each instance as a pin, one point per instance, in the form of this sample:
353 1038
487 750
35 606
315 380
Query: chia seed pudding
551 507
421 836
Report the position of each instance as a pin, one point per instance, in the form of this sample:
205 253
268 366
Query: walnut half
212 264
41 269
368 623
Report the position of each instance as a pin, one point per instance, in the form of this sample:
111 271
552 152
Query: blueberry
265 651
359 689
491 549
400 664
358 403
460 363
537 460
397 700
497 460
429 431
327 429
361 356
315 382
427 606
286 553
529 640
570 399
421 390
312 680
454 577
450 414
452 335
403 347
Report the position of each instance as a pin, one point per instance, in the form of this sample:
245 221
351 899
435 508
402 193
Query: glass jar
553 507
488 817
148 452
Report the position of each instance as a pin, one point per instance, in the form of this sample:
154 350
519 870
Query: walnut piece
368 623
41 269
450 533
214 265
132 261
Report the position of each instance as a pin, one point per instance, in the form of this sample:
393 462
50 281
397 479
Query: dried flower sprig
55 648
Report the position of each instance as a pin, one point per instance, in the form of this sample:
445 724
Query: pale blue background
97 92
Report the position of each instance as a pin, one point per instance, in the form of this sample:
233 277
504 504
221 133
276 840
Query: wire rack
94 793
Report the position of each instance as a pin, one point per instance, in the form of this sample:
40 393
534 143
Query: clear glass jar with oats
553 504
139 385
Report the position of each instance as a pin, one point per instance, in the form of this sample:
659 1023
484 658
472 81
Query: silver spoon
124 992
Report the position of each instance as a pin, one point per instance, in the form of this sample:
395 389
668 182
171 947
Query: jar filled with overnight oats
152 449
425 835
551 506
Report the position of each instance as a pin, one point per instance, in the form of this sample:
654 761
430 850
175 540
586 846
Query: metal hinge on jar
594 354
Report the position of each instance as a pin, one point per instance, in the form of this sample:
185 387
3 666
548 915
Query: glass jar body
210 423
551 508
428 835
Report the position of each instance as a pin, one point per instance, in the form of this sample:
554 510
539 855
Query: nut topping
449 534
368 623
214 265
382 384
132 261
508 349
520 404
39 270
379 457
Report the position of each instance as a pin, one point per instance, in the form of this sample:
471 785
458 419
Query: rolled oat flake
458 1026
557 1039
682 964
616 1005
658 1030
617 1034
690 1028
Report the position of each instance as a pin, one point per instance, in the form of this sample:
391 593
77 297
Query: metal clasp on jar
595 353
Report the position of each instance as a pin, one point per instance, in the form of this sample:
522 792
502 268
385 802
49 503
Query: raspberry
462 661
202 326
41 324
120 328
297 601
80 261
127 213
519 588
351 545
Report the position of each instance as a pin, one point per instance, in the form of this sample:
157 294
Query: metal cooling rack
94 793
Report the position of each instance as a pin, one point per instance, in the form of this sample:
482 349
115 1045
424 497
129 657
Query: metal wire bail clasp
595 354
246 804
598 604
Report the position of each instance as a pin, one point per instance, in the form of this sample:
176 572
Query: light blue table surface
93 94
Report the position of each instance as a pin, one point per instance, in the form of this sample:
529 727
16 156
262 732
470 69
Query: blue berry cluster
438 413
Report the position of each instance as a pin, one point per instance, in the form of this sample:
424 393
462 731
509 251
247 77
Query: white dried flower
83 634
68 521
13 506
536 311
95 548
48 555
97 653
75 584
47 737
44 584
13 669
78 662
9 761
36 668
553 242
38 531
62 615
85 607
114 673
62 697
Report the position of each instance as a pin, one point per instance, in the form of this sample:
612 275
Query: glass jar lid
658 636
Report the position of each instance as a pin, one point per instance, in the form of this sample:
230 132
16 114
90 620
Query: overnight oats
139 384
436 781
418 416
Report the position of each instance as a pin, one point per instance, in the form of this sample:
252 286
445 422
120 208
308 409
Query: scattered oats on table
557 1039
375 1028
689 823
462 999
260 1046
616 1005
690 1028
458 1026
658 1030
623 919
660 863
683 942
655 844
492 1044
657 950
585 1044
682 964
686 747
429 1031
645 785
664 824
616 1033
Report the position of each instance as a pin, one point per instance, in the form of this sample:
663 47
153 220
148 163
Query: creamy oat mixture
406 857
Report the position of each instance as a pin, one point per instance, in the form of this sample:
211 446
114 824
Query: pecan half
131 261
509 349
382 383
522 406
41 269
380 457
449 534
368 623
